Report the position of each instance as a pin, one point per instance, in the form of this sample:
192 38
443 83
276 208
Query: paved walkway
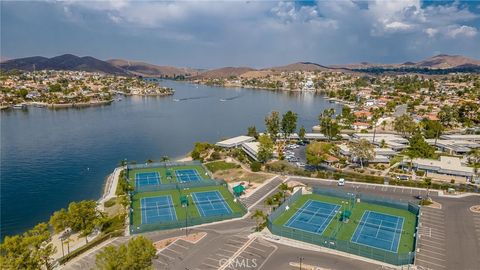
262 191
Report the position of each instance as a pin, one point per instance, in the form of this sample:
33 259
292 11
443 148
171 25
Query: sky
209 34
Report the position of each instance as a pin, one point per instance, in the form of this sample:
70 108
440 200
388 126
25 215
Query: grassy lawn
347 229
180 211
221 166
163 173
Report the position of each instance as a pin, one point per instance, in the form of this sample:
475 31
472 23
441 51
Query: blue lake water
52 157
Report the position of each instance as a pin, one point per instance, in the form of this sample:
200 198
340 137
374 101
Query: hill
222 73
441 61
150 70
62 62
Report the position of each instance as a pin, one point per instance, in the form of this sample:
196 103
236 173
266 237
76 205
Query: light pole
301 260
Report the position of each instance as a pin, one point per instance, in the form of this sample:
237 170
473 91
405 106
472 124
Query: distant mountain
149 70
441 61
222 73
300 66
62 62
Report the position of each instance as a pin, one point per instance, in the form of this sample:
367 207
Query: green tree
60 220
419 148
272 123
363 150
431 129
289 123
405 125
260 219
83 217
348 118
301 133
318 152
31 250
328 125
447 115
265 148
137 254
252 132
255 166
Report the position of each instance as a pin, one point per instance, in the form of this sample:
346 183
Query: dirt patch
435 205
192 238
241 175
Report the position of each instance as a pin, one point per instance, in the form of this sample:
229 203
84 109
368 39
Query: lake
52 157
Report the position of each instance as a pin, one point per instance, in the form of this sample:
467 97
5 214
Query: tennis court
211 203
187 175
313 216
379 230
147 179
157 209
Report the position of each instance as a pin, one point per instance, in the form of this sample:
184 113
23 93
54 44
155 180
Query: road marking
166 256
429 251
208 258
253 254
209 265
428 262
261 250
172 250
222 255
236 254
179 246
431 257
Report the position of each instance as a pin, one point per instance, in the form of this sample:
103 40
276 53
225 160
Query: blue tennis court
379 230
313 216
211 203
147 179
157 209
187 175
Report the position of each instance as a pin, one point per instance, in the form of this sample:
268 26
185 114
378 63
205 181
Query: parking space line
422 245
172 250
177 245
261 250
431 257
209 265
166 256
222 255
261 244
208 258
253 254
428 262
424 249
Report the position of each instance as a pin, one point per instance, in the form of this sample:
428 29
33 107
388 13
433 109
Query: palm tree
260 219
164 159
283 187
270 202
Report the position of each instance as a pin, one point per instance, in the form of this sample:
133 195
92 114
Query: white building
235 141
446 166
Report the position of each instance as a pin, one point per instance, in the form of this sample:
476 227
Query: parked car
403 177
341 182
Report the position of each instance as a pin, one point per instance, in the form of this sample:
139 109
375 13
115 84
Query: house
360 126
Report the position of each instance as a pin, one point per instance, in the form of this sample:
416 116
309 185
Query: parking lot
431 246
172 254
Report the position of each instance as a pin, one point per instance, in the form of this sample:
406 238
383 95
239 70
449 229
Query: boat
20 106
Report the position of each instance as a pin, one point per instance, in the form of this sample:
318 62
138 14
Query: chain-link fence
344 245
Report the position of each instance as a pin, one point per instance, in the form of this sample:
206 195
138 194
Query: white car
341 182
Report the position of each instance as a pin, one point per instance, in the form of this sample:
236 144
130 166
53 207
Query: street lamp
301 260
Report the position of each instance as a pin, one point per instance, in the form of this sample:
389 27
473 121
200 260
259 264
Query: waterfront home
360 126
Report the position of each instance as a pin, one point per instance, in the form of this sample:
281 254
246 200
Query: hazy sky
241 33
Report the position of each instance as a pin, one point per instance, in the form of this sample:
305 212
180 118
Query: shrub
215 155
110 202
255 166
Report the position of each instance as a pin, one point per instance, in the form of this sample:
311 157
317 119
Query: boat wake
190 98
231 98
